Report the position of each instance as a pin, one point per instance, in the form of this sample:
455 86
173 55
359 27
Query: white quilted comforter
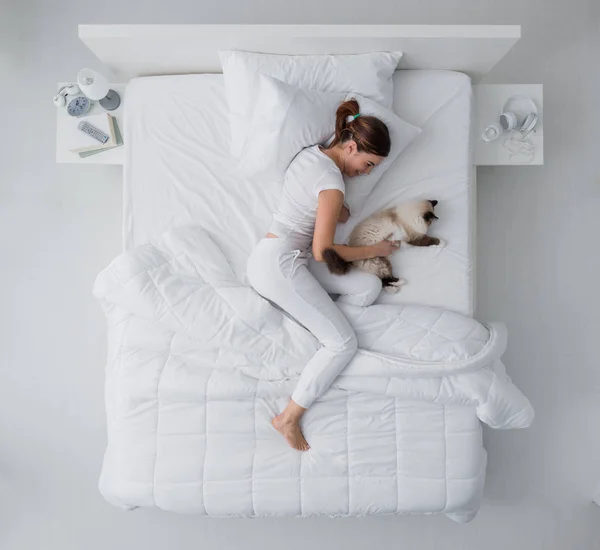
198 365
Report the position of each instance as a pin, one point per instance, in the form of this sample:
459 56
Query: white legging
300 285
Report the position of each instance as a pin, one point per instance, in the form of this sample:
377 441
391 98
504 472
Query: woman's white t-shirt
311 172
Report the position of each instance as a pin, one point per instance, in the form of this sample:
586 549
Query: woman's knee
373 290
370 289
344 343
364 293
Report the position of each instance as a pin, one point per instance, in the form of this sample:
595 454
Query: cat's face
418 214
428 211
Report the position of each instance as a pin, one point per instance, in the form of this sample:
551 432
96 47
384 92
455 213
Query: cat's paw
394 286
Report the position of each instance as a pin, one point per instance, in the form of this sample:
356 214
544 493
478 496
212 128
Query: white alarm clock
75 102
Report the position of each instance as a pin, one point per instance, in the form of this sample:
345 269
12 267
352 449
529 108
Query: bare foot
290 429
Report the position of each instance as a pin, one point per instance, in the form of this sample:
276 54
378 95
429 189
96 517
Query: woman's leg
356 287
283 277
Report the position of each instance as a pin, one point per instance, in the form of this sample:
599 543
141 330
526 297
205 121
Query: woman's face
357 163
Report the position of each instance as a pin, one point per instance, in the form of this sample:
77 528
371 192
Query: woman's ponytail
370 134
344 112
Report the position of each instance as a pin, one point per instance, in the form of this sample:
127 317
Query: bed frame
139 50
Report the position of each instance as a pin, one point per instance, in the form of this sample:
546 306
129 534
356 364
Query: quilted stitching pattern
189 430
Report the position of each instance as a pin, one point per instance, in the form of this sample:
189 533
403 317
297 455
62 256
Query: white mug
492 132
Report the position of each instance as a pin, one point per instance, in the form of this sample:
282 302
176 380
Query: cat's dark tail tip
336 264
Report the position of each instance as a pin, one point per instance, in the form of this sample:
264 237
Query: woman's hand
344 214
384 248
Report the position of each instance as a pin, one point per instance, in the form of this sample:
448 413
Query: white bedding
199 364
178 171
381 453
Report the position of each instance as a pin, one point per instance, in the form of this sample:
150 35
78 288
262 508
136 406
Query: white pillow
369 75
287 119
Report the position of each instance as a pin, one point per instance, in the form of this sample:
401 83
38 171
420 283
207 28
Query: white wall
538 272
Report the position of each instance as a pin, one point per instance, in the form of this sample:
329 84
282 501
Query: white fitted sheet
178 171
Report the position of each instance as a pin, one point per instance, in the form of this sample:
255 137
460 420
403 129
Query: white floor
538 270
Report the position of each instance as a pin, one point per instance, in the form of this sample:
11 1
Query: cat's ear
433 203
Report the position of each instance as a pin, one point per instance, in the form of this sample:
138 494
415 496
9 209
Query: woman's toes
290 430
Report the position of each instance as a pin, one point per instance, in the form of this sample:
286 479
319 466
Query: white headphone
519 116
509 119
60 99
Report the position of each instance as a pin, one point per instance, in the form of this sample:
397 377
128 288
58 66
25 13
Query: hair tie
350 118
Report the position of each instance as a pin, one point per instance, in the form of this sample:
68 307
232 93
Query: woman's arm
328 211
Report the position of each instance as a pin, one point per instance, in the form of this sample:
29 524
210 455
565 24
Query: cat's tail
336 264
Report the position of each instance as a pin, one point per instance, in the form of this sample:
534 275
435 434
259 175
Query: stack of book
85 145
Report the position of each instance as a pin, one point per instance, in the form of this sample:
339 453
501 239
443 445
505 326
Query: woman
281 267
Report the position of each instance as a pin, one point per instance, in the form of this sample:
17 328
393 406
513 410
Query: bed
198 363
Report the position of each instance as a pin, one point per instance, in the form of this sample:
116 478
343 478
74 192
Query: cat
407 222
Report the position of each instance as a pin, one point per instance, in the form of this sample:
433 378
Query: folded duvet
199 364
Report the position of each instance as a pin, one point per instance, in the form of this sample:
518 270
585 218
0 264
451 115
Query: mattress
178 172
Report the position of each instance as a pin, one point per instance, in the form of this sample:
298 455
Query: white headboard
137 50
